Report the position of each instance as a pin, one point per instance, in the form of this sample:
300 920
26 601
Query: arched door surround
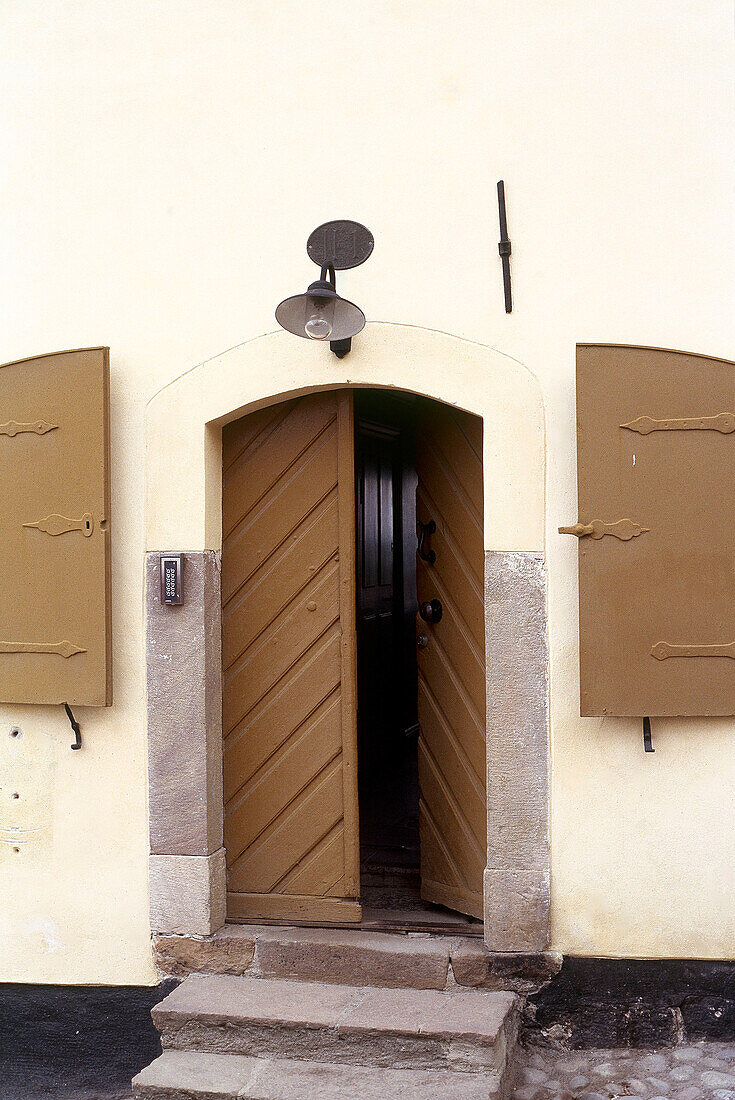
183 514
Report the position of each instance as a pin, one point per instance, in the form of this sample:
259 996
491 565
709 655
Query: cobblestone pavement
703 1071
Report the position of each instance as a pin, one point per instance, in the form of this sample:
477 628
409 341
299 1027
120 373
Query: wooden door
451 663
656 468
288 641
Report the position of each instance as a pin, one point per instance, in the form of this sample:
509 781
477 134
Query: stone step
466 1030
346 956
343 956
190 1075
353 957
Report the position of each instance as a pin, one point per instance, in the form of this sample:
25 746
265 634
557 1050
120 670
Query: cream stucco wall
163 163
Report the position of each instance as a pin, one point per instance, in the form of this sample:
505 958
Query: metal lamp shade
329 316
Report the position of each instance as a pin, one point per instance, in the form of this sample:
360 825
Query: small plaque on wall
55 638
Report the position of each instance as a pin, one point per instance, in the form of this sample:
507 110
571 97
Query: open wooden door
451 659
288 642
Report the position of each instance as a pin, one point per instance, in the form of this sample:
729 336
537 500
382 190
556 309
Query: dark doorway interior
387 723
387 720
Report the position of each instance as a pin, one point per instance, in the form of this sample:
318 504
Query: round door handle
431 611
422 641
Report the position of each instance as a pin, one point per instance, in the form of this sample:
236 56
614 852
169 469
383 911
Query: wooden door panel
446 694
648 454
297 432
445 881
468 855
451 692
275 588
317 871
440 743
273 788
241 433
280 512
456 648
437 863
440 491
294 702
281 643
288 655
461 588
290 837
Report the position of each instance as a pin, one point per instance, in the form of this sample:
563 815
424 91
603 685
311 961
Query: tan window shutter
54 535
656 476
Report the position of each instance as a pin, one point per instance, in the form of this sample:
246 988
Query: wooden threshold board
389 920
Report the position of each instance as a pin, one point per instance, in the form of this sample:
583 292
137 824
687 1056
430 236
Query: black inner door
386 657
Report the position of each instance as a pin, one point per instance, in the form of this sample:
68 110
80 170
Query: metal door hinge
623 529
663 650
722 422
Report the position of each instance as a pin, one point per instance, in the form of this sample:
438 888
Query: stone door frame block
183 513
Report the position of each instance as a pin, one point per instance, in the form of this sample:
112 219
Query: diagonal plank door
288 627
451 666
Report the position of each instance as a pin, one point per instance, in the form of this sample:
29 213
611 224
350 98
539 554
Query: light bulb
317 327
319 316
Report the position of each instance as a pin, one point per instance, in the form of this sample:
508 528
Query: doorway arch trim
183 513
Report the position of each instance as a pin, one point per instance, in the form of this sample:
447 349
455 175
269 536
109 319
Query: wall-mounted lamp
320 313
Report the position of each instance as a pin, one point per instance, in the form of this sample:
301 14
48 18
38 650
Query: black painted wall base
88 1042
75 1042
635 1003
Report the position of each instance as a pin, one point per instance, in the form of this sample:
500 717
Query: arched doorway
184 429
354 730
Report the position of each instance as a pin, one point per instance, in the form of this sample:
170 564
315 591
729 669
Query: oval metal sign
342 243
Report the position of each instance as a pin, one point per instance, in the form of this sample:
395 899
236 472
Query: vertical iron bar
504 247
75 726
647 745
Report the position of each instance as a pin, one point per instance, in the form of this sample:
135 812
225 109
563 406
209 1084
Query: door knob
422 641
431 611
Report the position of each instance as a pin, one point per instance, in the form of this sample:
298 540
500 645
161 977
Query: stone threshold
412 960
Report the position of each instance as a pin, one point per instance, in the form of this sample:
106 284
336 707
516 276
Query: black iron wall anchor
75 726
647 744
504 247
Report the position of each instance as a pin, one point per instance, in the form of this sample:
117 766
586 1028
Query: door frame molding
184 424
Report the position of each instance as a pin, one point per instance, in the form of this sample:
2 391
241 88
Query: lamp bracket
344 244
341 347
